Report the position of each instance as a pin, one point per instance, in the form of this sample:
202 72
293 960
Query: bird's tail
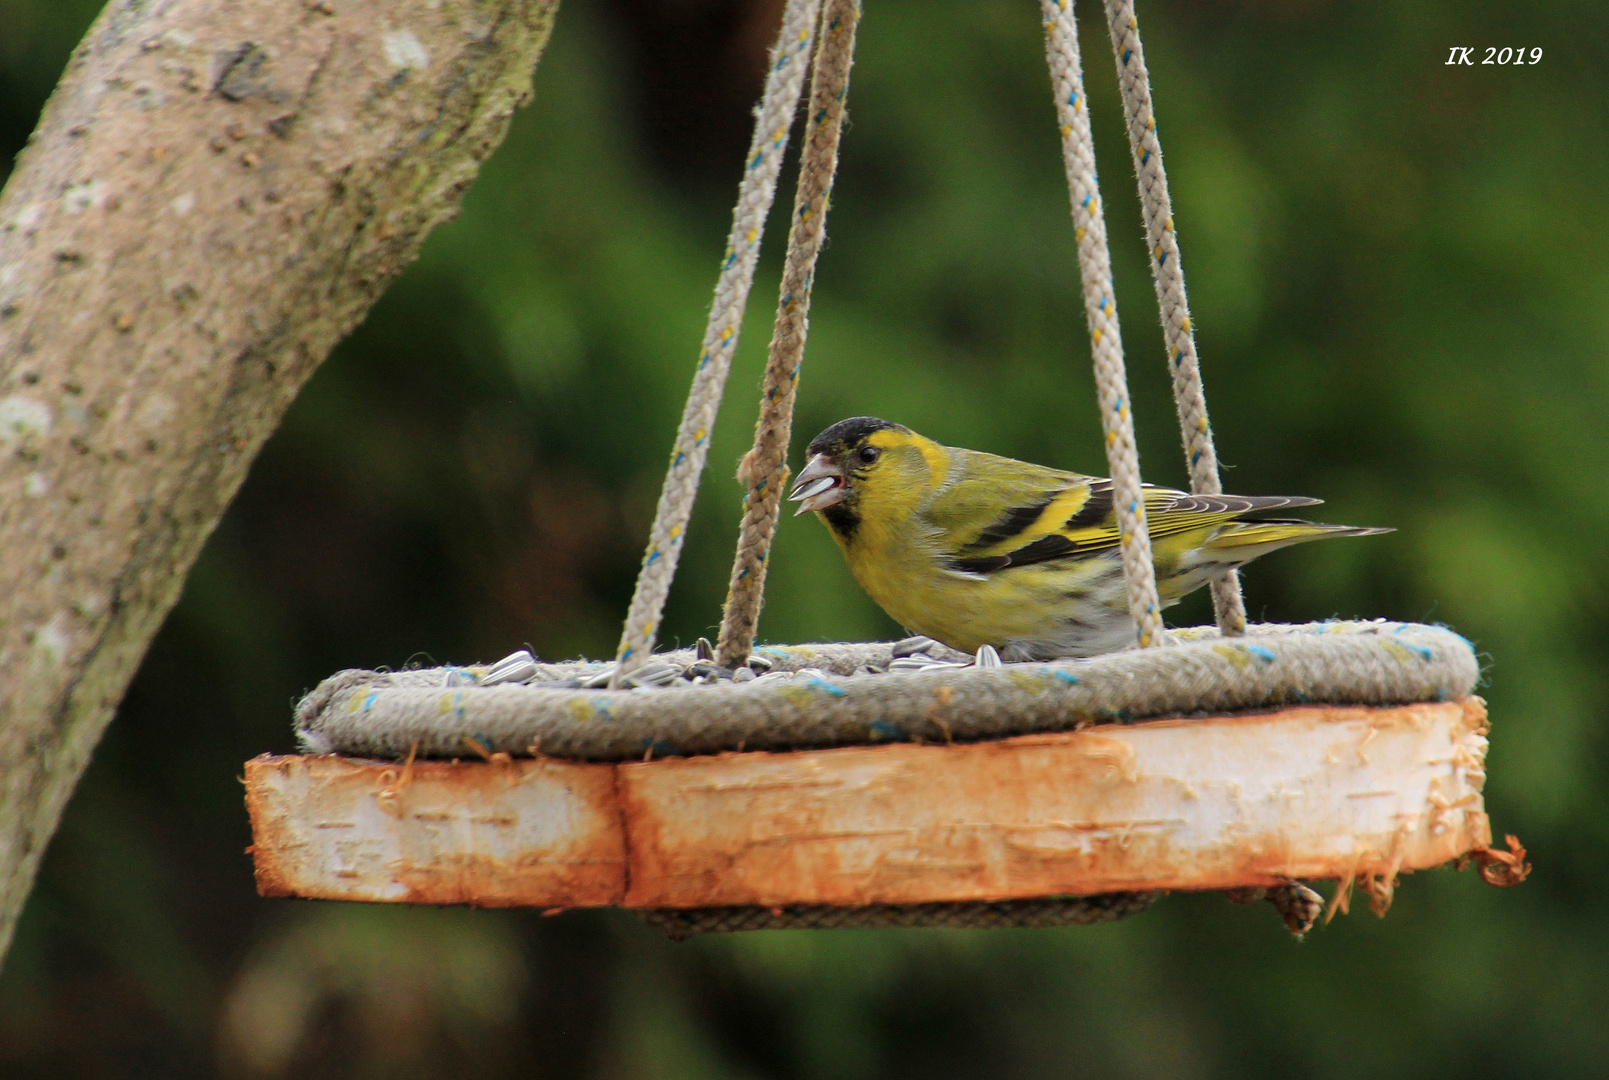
1242 541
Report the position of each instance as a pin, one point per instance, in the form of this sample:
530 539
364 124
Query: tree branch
217 192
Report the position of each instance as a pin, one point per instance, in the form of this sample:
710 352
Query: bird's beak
820 484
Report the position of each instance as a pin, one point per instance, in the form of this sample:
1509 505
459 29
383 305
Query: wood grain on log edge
216 193
1224 802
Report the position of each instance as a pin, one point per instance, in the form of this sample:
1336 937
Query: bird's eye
869 454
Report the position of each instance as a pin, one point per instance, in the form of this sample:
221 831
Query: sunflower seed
912 645
706 651
743 674
987 657
513 668
601 678
909 663
654 674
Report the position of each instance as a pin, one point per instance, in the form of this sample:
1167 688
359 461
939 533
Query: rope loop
764 470
1100 309
773 119
1162 242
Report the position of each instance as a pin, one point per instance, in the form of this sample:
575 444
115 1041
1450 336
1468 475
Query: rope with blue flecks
844 694
764 469
1163 243
790 58
1100 307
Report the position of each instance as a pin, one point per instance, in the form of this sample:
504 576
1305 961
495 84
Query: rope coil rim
443 712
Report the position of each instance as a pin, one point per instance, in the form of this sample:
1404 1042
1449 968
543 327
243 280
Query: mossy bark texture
217 192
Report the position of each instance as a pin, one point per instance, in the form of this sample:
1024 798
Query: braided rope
764 470
1299 906
790 57
1189 397
682 923
825 695
1100 307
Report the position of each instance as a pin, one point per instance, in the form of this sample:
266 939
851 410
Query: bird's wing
1066 515
990 505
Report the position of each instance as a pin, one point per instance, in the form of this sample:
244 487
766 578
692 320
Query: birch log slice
1220 802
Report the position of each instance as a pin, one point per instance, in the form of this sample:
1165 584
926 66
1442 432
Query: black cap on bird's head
836 455
847 434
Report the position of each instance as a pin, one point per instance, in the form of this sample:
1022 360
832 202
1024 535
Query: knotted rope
1100 308
1178 333
773 119
764 470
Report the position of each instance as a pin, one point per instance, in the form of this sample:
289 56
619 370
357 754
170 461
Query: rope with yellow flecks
764 470
1177 332
790 57
1100 306
848 694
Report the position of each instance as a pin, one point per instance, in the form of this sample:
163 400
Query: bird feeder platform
840 780
1244 799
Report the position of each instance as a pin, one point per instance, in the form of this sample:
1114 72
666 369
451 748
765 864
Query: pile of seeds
668 671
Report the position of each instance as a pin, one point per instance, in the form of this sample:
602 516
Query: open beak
820 484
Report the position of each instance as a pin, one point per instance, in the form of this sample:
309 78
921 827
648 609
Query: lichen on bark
216 193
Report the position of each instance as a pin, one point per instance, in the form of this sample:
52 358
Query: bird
973 549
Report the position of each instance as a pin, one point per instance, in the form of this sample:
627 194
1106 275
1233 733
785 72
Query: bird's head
860 458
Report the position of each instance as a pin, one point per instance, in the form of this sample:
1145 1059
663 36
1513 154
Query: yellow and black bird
972 549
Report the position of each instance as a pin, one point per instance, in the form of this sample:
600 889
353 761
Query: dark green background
1398 272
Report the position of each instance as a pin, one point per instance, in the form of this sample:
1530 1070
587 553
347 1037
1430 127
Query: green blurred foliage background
1399 276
